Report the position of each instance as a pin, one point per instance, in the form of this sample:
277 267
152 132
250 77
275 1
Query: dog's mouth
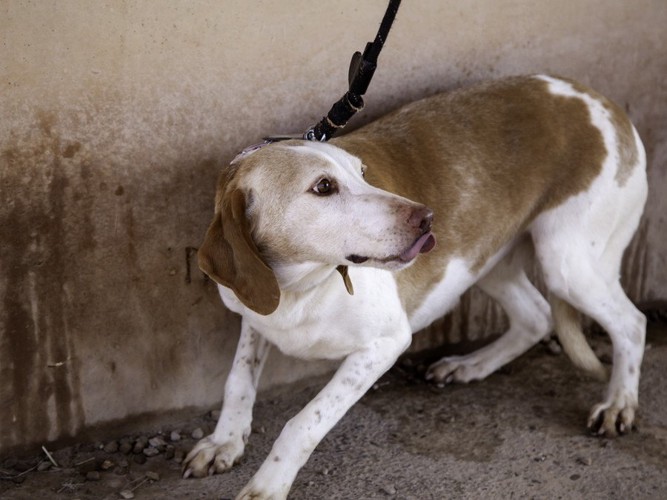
424 244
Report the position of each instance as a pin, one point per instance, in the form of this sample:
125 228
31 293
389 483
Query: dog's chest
328 323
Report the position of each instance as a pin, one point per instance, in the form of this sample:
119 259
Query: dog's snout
421 218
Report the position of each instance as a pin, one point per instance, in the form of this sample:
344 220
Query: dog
316 246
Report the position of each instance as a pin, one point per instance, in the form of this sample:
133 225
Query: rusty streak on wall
117 116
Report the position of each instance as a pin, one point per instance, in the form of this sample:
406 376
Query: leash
362 68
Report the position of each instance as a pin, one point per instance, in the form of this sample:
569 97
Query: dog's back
489 159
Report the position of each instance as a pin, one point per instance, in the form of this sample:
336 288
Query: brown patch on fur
229 255
487 159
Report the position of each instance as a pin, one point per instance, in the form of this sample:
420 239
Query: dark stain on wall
37 359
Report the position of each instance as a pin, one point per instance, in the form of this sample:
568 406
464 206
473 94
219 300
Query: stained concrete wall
116 117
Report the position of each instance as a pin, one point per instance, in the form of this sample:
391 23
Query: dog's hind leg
219 451
529 316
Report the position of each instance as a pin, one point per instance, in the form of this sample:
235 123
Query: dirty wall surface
115 118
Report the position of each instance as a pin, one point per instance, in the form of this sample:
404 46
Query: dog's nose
421 218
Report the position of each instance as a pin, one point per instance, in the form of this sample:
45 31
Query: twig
48 455
84 461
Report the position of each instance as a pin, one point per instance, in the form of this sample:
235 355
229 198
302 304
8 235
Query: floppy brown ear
230 257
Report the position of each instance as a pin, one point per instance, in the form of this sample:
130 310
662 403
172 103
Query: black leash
362 68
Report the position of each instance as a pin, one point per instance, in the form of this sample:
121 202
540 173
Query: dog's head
298 202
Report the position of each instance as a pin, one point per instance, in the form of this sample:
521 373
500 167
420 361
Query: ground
518 434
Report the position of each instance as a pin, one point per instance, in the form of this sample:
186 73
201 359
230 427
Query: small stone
215 415
584 460
169 452
388 489
93 475
106 465
574 477
158 442
140 459
153 476
126 494
44 466
198 433
151 452
175 436
125 448
111 447
139 445
554 347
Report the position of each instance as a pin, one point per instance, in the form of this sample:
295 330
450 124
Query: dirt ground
518 434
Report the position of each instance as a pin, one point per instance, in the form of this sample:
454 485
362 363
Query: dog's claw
462 369
611 420
209 457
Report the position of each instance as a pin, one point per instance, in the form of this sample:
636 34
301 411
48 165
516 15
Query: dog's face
305 202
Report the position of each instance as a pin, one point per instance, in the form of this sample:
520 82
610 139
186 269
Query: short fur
515 170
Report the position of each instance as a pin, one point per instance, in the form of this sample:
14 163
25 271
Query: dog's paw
253 492
209 457
611 419
461 369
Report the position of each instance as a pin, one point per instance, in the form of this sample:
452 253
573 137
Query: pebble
215 415
157 441
153 476
93 475
140 444
44 466
151 452
584 460
198 433
140 459
554 347
125 448
169 452
106 465
111 447
127 494
175 436
388 489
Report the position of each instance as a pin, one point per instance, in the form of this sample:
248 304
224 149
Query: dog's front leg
358 372
220 450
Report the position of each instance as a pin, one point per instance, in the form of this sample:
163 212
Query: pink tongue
424 244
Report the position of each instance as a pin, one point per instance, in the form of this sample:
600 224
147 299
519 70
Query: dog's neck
304 276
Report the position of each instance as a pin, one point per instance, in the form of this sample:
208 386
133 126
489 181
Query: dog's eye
324 187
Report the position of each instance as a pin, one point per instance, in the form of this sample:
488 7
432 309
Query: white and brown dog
523 168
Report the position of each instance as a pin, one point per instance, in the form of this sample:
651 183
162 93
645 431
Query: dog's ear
230 257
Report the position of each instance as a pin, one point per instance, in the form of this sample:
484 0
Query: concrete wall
117 115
